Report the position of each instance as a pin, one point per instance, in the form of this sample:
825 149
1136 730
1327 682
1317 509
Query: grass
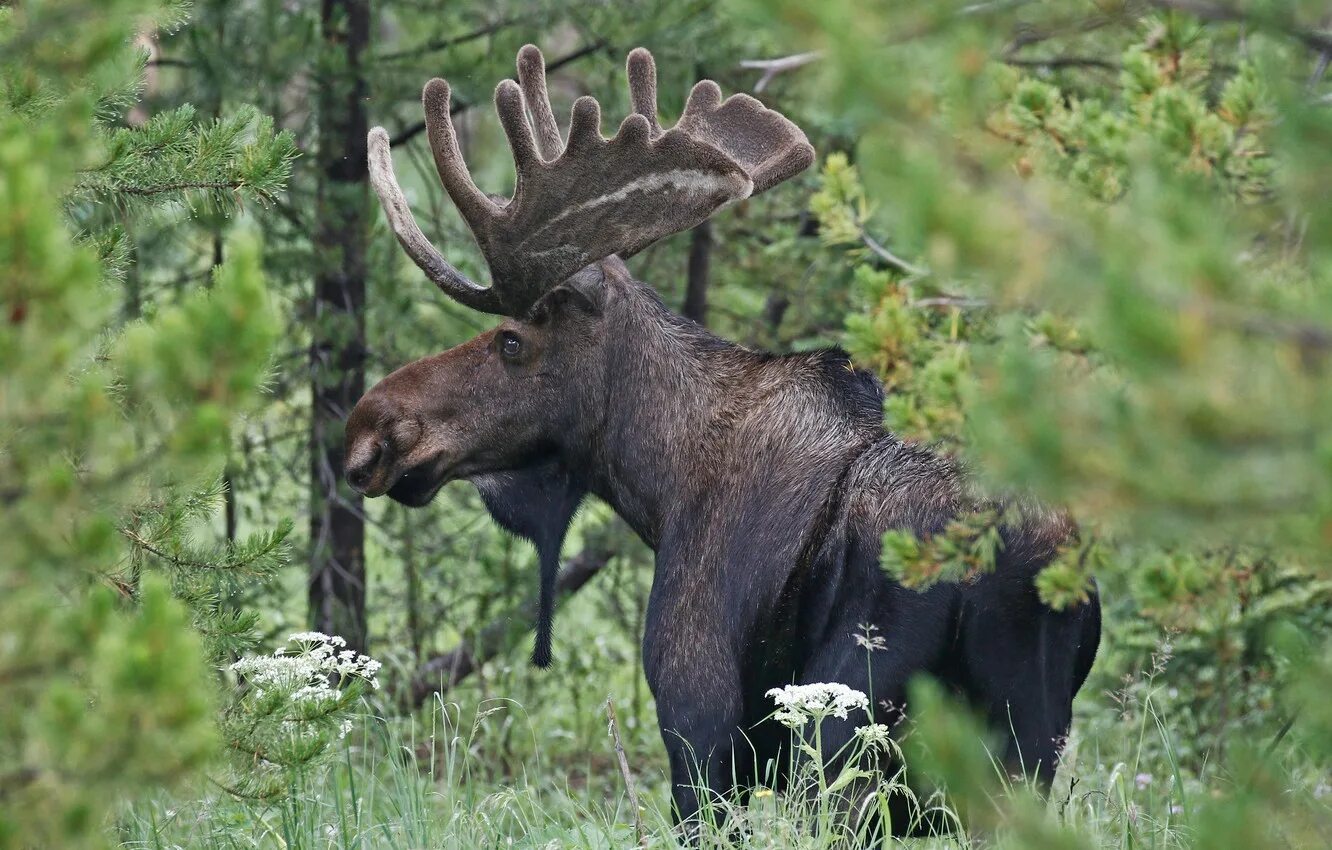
490 772
398 785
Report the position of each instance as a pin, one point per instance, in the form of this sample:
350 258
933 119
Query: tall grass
431 783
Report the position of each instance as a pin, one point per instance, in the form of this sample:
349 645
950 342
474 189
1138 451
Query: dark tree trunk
228 472
700 263
337 347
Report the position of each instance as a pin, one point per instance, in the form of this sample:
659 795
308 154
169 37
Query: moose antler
580 201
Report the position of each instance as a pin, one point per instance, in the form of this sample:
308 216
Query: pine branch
182 186
1210 11
172 157
445 43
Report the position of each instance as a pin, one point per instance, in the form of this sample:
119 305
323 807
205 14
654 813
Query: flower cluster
799 703
876 735
309 673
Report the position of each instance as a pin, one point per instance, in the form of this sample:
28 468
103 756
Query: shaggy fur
764 484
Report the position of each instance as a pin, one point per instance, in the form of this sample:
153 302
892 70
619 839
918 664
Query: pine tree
112 435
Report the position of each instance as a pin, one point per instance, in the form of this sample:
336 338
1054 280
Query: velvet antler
579 201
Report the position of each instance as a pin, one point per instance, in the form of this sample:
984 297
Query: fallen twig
613 728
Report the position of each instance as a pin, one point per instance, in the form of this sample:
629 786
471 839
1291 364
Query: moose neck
685 411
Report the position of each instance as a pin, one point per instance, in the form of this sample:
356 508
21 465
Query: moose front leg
697 687
699 717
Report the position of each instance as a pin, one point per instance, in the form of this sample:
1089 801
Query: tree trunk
700 262
337 347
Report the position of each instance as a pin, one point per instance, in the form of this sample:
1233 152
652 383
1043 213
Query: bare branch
890 258
1212 11
1055 62
613 728
772 67
1320 69
445 43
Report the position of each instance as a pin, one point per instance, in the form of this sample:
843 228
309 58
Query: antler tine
475 207
513 118
532 79
642 71
764 143
584 126
453 282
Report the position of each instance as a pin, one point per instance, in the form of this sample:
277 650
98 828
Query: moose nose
359 476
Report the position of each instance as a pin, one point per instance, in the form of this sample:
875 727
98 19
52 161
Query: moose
763 483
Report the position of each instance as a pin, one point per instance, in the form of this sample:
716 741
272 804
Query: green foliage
965 549
209 578
173 159
1163 103
1152 351
218 165
98 427
1099 273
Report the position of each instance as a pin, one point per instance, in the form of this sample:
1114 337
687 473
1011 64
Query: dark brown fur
764 484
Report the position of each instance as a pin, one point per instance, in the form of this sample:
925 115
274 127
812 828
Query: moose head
515 408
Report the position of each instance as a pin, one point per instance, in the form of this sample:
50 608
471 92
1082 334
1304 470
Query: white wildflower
317 637
305 673
789 718
798 703
317 692
1142 780
875 734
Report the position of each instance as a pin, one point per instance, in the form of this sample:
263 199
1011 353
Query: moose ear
537 503
586 291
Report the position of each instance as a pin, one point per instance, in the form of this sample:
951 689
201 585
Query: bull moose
764 483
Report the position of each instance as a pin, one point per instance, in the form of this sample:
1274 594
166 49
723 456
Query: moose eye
510 344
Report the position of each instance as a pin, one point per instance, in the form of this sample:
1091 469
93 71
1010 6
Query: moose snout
360 471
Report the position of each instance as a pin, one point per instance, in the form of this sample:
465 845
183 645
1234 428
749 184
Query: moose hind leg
1023 671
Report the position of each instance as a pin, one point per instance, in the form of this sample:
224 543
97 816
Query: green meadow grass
435 783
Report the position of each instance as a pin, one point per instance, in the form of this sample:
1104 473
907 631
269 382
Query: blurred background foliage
1084 243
